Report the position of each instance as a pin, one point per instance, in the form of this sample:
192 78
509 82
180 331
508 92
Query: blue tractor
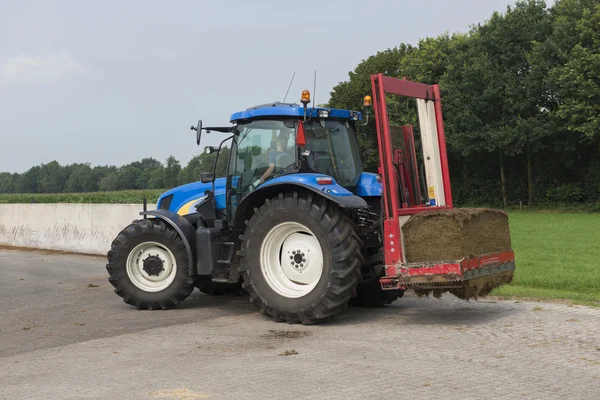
304 229
296 221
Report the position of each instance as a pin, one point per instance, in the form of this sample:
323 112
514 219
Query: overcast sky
111 82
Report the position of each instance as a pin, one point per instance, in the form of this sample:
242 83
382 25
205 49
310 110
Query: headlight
323 113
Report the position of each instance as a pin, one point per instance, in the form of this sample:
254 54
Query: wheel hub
298 259
153 265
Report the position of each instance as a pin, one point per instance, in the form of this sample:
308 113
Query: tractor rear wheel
148 266
300 258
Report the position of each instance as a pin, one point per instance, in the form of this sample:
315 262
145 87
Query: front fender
184 229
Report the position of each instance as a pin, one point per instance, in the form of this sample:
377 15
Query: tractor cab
278 139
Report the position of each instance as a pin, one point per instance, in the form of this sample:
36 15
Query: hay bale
444 235
453 234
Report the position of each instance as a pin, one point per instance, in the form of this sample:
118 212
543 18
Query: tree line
521 102
148 173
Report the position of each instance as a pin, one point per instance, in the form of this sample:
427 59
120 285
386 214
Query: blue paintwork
192 191
310 180
292 111
186 193
368 185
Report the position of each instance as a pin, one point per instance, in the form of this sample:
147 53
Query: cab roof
278 109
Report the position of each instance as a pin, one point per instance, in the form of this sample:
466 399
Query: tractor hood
183 199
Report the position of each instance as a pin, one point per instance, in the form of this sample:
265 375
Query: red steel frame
383 85
398 274
401 162
409 143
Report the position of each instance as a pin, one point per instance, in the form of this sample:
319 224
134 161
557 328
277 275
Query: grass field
120 197
557 256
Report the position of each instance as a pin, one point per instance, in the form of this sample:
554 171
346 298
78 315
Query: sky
111 82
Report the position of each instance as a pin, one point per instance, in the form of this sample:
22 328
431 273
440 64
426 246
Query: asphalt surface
64 334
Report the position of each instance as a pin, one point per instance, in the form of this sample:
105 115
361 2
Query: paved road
65 335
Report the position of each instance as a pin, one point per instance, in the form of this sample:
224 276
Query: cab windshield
333 150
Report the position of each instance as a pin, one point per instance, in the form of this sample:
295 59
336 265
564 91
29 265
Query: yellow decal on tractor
188 207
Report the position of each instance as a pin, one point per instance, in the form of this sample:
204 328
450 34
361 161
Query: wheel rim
151 266
291 259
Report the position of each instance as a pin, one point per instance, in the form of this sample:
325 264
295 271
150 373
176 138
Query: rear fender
258 197
184 229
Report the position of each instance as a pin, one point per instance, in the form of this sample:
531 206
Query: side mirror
198 130
209 150
207 177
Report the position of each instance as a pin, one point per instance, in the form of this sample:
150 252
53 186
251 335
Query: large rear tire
300 258
148 266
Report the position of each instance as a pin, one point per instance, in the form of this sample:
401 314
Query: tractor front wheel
300 258
148 266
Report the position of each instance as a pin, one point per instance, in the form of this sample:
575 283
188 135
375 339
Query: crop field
557 256
120 197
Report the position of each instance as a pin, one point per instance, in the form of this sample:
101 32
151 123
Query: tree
81 180
147 168
129 176
509 41
52 178
8 182
576 76
172 171
28 182
350 94
492 93
191 173
428 63
109 183
157 179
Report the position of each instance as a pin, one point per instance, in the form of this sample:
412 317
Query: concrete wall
79 228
